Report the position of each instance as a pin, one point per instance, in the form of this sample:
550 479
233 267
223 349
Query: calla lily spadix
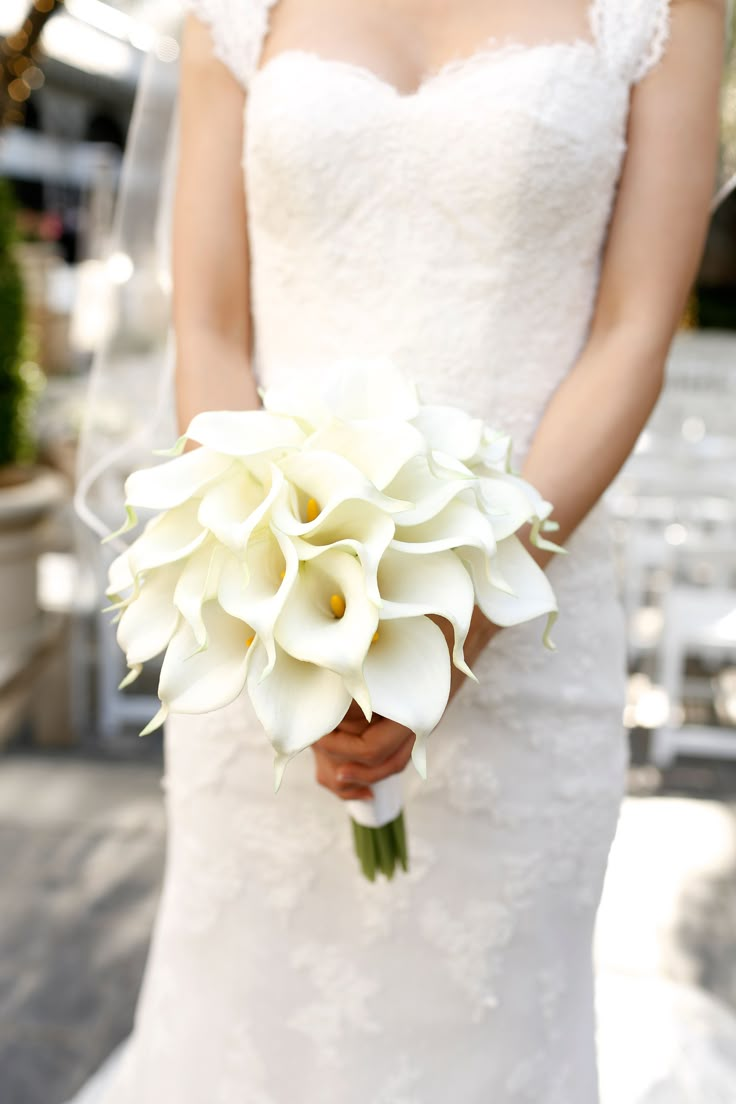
299 553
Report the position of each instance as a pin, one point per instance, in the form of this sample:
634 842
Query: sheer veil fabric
276 973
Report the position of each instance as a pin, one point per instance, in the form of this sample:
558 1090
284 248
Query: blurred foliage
20 379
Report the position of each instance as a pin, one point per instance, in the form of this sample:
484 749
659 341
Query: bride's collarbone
404 43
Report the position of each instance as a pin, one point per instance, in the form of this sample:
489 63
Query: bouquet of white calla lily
300 553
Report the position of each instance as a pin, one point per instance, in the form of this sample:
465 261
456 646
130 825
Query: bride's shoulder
238 29
636 34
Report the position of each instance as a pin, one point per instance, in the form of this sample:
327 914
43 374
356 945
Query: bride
509 201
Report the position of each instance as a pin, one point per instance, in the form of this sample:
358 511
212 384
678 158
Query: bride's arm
211 311
591 424
654 244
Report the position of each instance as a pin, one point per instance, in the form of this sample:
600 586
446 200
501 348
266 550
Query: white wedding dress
457 230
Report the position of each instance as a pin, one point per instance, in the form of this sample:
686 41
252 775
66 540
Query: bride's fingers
372 747
325 771
353 728
357 773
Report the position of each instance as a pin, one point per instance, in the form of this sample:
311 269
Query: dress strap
238 29
632 35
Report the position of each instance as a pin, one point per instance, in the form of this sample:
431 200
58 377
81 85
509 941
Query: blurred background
81 820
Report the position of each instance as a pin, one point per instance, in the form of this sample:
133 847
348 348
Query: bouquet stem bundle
381 850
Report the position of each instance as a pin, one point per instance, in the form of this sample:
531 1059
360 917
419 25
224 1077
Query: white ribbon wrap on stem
387 803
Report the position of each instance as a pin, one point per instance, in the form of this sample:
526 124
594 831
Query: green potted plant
28 492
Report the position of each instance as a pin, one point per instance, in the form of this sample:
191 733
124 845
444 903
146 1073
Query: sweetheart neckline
493 50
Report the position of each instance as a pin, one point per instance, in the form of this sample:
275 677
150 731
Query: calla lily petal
297 703
355 389
350 389
427 493
449 430
328 480
167 538
244 432
236 506
438 583
198 680
378 448
150 620
197 584
165 485
407 672
119 576
533 594
505 503
459 523
256 592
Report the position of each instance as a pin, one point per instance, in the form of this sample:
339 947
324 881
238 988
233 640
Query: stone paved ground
81 852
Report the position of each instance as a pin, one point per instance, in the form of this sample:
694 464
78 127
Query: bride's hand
358 753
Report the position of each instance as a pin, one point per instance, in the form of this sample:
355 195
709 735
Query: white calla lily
505 503
459 523
151 618
426 493
378 448
167 538
166 485
349 389
244 433
297 703
328 619
197 680
319 482
449 430
529 593
494 452
197 585
255 591
234 508
371 531
439 583
119 577
370 388
407 672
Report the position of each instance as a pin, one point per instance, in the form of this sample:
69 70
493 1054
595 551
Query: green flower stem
381 849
